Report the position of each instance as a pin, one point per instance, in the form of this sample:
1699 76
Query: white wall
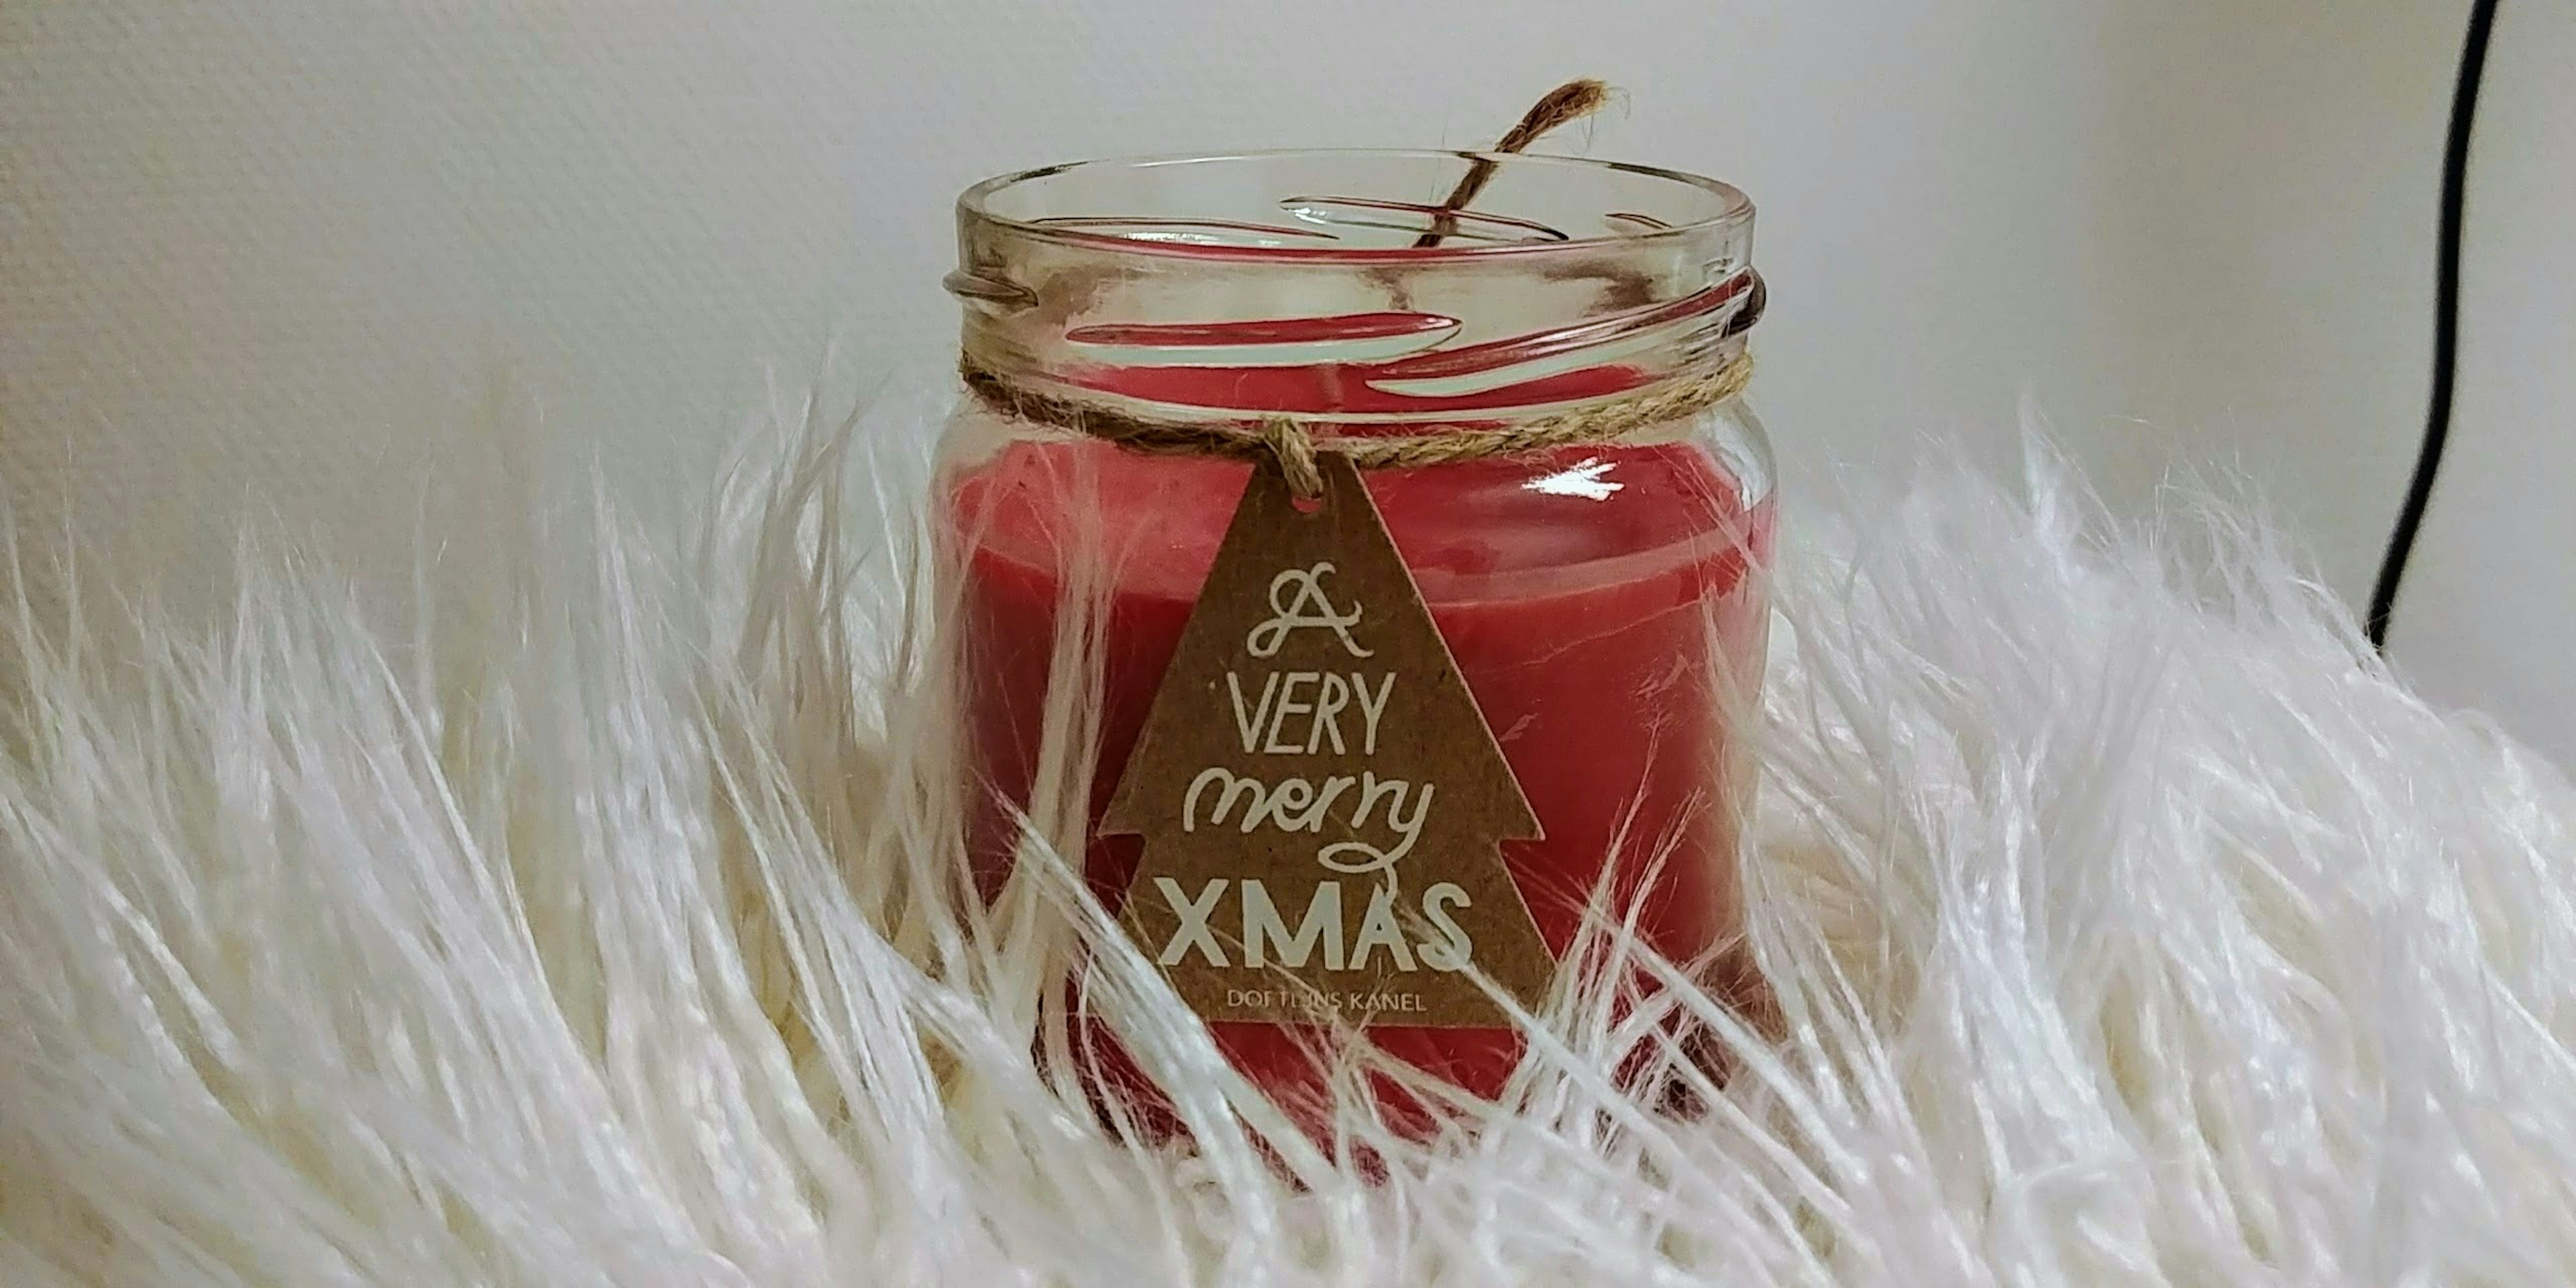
285 249
2488 612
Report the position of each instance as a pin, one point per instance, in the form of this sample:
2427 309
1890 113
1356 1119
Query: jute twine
1288 441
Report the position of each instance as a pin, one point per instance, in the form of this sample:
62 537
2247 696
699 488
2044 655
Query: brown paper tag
1320 797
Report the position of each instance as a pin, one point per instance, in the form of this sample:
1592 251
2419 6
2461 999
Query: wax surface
1596 603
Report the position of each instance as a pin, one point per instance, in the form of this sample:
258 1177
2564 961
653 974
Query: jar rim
1732 210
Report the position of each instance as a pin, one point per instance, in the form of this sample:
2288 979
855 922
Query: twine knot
1294 451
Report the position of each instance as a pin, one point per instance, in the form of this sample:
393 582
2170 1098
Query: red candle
1597 603
1602 603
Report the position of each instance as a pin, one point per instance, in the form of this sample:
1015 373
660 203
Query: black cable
2446 322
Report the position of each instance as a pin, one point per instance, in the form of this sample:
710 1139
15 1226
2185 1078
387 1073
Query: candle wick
1569 102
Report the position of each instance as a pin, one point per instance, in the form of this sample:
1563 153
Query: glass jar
1604 603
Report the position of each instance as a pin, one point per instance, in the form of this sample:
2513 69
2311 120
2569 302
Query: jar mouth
1351 285
1357 205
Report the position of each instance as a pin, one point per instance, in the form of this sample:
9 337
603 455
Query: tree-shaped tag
1319 796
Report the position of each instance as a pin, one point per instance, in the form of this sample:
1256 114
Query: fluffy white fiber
2130 925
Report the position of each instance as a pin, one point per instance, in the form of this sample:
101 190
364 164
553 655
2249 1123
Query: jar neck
1172 305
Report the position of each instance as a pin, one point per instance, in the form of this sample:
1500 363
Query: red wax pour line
1493 354
1097 223
1346 326
1475 224
1323 385
1324 388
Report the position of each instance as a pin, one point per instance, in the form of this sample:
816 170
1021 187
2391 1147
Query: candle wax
1595 600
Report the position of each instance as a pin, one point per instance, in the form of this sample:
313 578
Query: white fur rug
2130 923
